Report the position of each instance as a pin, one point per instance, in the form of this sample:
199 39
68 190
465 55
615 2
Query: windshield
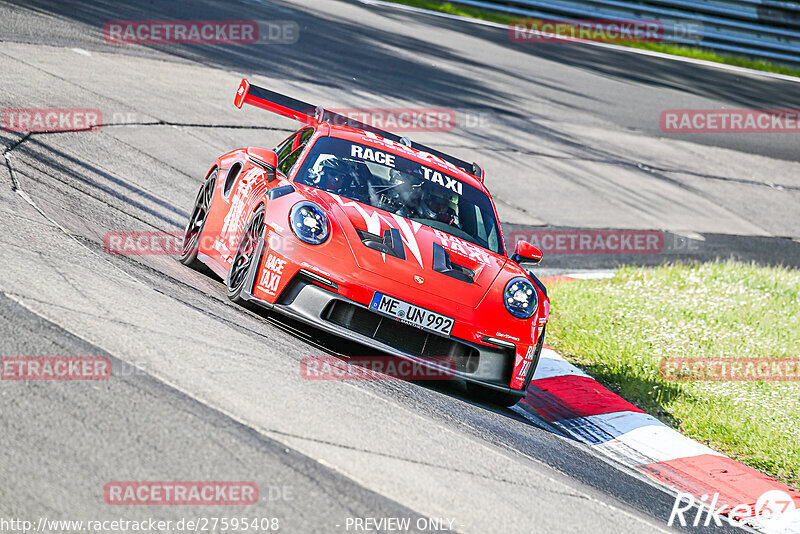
392 183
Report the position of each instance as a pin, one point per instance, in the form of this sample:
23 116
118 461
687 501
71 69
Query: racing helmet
333 174
439 203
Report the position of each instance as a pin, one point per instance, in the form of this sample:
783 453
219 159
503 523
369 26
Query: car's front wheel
245 257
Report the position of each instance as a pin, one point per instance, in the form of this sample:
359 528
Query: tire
245 257
197 221
491 396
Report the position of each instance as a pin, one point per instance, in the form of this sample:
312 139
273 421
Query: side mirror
526 253
263 157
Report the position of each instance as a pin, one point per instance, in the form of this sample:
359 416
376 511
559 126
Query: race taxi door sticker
526 364
271 274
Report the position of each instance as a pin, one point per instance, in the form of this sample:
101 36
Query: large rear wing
307 113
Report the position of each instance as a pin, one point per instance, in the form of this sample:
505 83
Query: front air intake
403 337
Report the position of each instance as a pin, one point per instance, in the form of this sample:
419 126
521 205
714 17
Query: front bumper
304 300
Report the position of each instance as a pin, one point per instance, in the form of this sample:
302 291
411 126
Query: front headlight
520 298
309 223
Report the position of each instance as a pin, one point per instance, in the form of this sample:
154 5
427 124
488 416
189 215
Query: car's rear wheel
492 396
197 221
245 257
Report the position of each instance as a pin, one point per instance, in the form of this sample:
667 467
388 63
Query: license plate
413 315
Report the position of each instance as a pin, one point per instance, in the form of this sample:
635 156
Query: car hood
418 271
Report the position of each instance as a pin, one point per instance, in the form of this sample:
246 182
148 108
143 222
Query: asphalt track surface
204 390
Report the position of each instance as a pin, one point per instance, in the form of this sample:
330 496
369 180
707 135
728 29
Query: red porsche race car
373 237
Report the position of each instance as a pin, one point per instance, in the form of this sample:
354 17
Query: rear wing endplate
307 113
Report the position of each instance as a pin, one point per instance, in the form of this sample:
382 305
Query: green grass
620 329
675 50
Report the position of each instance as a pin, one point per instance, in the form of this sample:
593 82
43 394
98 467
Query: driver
441 205
341 177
